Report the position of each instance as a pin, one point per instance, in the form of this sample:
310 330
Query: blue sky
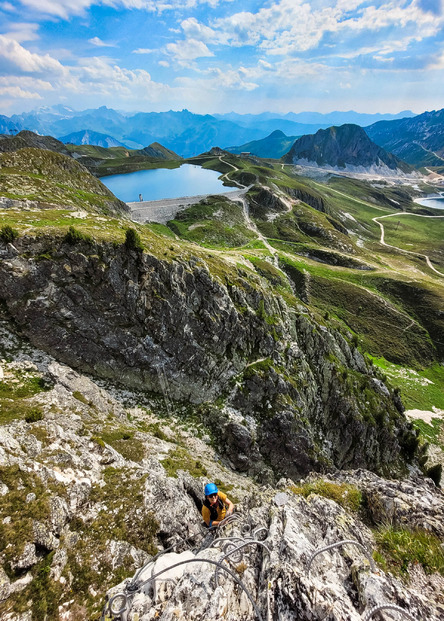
210 56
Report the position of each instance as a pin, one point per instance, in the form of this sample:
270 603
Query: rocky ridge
264 377
27 139
50 178
418 141
99 482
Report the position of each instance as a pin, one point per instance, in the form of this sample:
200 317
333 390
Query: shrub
119 440
80 397
8 234
180 459
74 236
132 240
34 415
345 494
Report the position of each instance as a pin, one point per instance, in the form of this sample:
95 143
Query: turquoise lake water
437 202
153 185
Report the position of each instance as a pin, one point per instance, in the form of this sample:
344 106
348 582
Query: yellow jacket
221 510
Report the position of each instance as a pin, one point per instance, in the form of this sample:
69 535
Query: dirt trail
416 254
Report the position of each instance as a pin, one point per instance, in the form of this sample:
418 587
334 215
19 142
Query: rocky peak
343 146
26 138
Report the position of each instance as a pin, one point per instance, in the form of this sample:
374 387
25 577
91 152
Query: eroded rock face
95 483
413 502
281 573
306 398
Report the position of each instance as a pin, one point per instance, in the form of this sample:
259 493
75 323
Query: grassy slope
393 305
49 177
214 222
117 160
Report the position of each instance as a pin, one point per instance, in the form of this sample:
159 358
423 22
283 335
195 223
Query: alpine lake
434 200
159 183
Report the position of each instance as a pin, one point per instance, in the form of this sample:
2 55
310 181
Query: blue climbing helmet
210 488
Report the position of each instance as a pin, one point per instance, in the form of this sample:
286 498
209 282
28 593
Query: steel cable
236 549
370 614
337 544
196 560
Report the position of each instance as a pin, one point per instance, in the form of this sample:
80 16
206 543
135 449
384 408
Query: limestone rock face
99 480
280 573
411 502
277 389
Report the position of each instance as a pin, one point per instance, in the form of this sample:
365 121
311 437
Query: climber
216 505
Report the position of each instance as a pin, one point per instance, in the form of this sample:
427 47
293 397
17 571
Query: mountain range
418 140
88 136
311 118
182 131
273 146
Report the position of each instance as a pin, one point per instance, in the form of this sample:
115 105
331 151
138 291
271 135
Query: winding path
416 254
240 198
163 210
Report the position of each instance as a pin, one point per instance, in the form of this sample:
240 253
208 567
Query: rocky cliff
96 484
343 147
282 392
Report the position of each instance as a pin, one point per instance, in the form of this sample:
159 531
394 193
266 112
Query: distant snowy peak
87 136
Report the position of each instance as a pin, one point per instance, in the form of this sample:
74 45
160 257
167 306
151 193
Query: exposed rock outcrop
343 147
25 139
283 385
92 486
295 569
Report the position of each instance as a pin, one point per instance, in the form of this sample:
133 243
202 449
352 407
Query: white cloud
66 8
164 63
438 63
217 80
18 93
7 6
159 6
194 30
293 26
101 76
399 15
22 32
286 26
26 82
16 59
266 65
99 43
188 50
58 8
143 50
